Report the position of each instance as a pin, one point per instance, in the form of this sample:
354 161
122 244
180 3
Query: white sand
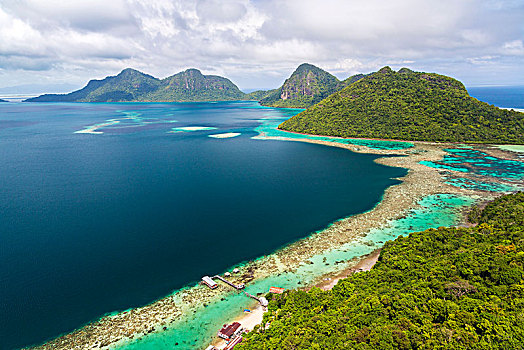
193 128
515 109
248 320
93 129
225 135
88 131
512 148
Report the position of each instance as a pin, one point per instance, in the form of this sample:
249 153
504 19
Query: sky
258 43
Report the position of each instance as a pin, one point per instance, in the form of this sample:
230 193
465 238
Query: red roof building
228 330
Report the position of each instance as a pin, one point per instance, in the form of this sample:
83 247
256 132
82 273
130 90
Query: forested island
446 288
403 105
306 86
409 105
131 85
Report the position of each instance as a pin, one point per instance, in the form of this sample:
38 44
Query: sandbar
193 128
93 128
225 135
512 148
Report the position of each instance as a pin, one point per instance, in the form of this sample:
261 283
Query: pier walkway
239 286
261 300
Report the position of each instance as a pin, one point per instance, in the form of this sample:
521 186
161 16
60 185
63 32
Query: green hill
129 85
134 86
451 288
306 86
409 105
259 95
191 86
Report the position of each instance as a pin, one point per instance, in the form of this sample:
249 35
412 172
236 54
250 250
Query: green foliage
305 87
258 95
408 105
192 86
474 214
132 85
446 288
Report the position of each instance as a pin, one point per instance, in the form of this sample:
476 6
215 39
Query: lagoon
104 208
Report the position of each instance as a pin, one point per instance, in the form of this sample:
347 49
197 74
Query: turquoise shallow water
270 123
482 185
198 330
485 173
477 162
137 264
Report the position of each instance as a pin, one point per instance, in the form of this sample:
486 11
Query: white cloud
514 47
257 41
19 38
221 11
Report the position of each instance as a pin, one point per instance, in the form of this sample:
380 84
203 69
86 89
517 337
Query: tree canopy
407 105
306 86
133 86
446 288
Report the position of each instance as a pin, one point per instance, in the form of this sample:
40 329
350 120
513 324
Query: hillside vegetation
450 288
134 86
409 105
306 86
259 95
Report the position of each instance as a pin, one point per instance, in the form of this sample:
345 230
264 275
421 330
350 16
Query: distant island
134 86
407 105
3 100
306 86
446 288
403 105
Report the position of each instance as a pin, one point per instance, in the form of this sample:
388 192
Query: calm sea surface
500 96
104 207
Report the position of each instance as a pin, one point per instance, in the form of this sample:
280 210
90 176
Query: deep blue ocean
143 201
500 96
104 207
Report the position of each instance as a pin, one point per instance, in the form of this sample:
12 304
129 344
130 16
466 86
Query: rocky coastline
113 330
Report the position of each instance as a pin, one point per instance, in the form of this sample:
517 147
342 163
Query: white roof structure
207 280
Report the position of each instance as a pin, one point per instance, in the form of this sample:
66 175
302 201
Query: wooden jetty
263 301
236 286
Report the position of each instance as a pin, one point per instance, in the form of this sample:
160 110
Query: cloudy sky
258 43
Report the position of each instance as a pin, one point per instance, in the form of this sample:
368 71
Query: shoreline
250 320
113 331
366 262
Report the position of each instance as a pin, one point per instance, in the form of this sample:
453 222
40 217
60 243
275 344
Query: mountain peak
386 70
409 106
307 85
192 71
306 67
133 85
405 71
130 71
